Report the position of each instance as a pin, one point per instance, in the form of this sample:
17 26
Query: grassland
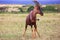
12 27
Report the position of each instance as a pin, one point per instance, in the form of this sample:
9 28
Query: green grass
12 27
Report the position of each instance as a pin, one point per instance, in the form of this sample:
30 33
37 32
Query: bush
49 8
30 8
21 10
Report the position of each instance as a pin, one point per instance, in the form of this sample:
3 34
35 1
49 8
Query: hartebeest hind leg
25 30
35 29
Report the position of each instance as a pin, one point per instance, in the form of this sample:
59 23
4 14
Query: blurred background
27 5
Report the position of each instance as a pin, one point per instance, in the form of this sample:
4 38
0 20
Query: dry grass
12 27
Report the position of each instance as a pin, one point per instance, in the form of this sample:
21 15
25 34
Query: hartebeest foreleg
35 29
33 34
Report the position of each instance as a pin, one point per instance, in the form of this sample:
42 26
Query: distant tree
49 8
3 9
30 8
21 10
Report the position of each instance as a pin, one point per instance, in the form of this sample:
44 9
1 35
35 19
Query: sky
29 1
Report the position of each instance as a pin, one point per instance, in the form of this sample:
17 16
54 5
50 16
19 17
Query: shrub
21 10
30 8
49 8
